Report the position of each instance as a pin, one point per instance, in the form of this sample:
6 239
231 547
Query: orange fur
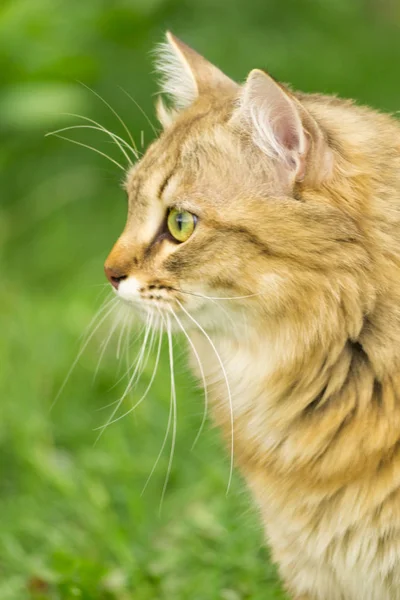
302 210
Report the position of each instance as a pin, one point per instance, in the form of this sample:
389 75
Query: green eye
181 224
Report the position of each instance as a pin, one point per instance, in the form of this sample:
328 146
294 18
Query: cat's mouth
151 297
131 290
161 302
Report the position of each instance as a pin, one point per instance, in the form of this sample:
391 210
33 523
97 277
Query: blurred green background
73 522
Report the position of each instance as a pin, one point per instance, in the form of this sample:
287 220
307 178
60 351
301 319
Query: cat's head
232 201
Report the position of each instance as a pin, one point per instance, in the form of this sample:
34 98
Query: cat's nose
114 276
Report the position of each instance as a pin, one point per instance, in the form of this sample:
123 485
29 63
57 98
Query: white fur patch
128 289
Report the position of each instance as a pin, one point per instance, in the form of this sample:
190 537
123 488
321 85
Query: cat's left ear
276 122
186 75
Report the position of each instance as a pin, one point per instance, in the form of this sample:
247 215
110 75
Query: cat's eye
181 224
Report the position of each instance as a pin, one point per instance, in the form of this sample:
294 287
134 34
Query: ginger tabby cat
288 205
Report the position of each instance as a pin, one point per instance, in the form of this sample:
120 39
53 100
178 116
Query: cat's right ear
281 127
185 75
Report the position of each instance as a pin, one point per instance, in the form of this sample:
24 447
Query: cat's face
215 209
194 220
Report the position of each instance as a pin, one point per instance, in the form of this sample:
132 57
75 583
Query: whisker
82 349
245 324
119 138
145 360
141 110
114 112
104 305
162 445
173 401
121 333
226 381
131 374
131 381
202 377
104 347
114 137
128 344
128 370
100 285
126 341
216 297
87 146
149 385
221 307
140 363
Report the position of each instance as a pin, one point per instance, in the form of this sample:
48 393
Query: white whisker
82 349
126 341
221 307
202 377
104 347
149 385
129 369
173 403
114 137
141 110
119 138
129 343
226 382
121 334
217 297
132 381
87 146
104 305
145 360
162 445
114 112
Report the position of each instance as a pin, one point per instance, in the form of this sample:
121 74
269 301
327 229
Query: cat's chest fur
237 383
317 528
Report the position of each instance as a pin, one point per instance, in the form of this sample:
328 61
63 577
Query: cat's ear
165 114
273 116
185 75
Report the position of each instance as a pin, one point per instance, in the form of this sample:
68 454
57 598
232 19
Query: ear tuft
177 80
185 74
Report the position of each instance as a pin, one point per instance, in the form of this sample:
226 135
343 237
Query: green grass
73 521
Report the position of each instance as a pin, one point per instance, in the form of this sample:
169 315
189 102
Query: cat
266 223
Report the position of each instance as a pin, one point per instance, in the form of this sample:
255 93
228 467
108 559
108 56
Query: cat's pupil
179 221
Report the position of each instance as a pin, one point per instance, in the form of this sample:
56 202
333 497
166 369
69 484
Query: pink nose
113 276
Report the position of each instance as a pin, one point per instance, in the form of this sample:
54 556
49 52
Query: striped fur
314 357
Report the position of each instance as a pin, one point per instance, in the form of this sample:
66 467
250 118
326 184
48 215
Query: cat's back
365 144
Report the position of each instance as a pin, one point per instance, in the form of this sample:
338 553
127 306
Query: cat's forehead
189 148
203 158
